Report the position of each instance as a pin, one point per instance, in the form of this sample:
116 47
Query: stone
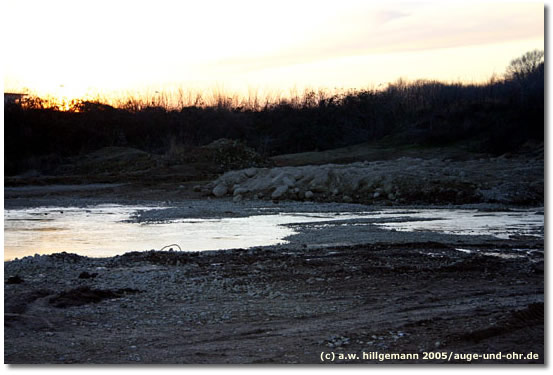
308 194
288 181
237 198
220 190
279 191
240 191
250 172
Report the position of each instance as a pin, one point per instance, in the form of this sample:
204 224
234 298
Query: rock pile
402 181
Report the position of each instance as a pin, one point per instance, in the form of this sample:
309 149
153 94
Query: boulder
288 181
279 191
240 191
250 172
220 190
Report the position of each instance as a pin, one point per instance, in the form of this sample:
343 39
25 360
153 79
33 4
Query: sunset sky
71 48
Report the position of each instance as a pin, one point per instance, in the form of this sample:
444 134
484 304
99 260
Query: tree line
494 117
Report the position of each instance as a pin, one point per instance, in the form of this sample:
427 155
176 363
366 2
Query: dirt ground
389 302
267 306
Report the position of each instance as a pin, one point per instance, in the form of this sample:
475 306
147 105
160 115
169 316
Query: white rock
240 191
279 191
278 176
219 190
288 181
250 172
298 174
376 195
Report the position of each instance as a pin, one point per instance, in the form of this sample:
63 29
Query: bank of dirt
276 305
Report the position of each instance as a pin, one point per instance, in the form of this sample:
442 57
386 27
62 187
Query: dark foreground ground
269 306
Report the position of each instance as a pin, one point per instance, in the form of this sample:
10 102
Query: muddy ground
276 306
304 303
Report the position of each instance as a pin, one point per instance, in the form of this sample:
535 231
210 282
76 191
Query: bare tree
521 67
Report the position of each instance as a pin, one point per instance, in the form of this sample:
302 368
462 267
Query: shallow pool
105 230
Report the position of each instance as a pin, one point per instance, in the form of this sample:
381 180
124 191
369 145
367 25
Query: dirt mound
225 155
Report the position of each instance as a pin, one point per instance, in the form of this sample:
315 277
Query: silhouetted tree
524 66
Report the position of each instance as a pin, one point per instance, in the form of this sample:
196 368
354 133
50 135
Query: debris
86 275
85 295
14 280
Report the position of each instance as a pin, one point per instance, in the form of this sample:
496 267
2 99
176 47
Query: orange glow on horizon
196 47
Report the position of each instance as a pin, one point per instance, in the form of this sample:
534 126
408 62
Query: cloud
389 30
384 16
170 41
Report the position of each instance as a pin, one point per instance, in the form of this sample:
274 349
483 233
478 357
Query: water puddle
502 224
104 230
500 253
